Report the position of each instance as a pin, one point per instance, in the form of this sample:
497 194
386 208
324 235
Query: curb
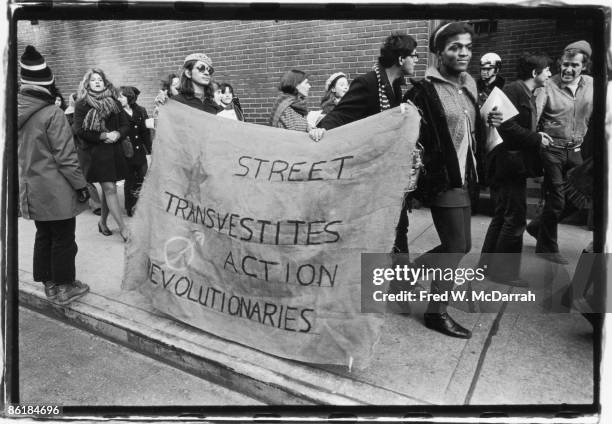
264 377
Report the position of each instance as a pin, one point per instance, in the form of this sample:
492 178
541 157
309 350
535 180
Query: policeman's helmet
491 60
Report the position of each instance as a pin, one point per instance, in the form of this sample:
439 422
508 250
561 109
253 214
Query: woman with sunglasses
195 88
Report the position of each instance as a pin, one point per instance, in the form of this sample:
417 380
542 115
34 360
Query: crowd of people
105 137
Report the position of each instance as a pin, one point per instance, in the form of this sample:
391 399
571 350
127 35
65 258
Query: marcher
139 137
231 105
169 88
52 189
195 88
447 98
216 89
95 204
379 89
336 87
170 85
566 113
490 65
59 99
509 165
290 109
374 92
98 121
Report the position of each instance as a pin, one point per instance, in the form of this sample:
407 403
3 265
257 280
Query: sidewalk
530 358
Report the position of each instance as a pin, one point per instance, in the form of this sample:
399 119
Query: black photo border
187 10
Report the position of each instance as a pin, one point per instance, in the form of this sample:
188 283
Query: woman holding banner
447 97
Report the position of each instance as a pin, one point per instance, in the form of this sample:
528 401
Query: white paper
498 99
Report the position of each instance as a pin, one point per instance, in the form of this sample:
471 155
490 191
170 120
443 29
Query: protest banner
254 233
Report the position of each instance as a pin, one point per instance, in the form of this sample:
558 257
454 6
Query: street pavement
60 364
512 358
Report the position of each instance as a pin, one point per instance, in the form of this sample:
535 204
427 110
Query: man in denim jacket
567 105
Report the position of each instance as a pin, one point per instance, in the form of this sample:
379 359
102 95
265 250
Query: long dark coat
140 135
103 162
49 172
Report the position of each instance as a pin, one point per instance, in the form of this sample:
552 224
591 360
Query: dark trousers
54 251
556 163
453 226
133 183
505 233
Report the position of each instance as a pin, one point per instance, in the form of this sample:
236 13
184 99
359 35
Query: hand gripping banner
254 233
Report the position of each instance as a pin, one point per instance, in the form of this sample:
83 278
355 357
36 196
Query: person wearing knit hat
336 86
34 69
52 188
581 46
567 106
451 133
195 88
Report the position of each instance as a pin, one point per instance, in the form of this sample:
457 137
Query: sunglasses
205 68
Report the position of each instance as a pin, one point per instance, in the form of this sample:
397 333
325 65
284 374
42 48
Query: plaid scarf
282 102
382 96
102 104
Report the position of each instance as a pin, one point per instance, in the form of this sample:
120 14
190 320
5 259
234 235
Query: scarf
102 104
383 100
282 102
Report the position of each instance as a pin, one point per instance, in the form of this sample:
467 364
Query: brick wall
513 37
252 55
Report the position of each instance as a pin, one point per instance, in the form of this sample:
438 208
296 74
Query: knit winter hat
331 81
581 45
199 56
443 32
34 69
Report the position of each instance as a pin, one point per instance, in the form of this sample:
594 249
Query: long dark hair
167 83
56 93
186 85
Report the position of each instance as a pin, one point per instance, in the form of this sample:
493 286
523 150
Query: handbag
128 149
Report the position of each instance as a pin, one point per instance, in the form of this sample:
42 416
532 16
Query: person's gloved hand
83 194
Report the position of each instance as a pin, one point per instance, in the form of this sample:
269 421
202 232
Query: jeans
556 163
505 233
55 250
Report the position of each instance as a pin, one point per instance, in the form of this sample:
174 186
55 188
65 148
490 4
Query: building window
484 26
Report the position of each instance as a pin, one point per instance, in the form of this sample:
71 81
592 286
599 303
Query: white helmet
491 59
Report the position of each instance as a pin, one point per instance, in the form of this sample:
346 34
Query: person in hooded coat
52 189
